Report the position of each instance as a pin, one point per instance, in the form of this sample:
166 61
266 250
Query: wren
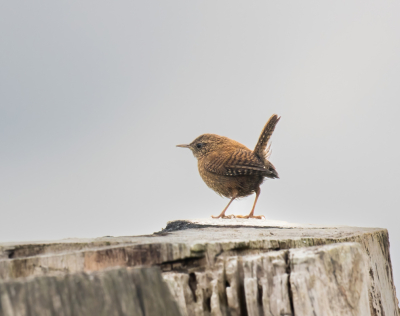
231 169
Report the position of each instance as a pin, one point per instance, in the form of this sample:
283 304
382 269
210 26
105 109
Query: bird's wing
234 163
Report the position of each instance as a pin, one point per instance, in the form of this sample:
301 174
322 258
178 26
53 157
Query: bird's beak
183 146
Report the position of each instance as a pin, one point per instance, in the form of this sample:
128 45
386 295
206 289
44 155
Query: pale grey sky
95 95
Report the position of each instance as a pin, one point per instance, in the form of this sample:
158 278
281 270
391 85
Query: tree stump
205 267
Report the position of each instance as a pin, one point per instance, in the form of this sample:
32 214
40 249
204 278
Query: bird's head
205 144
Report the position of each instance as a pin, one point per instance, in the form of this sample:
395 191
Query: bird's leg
254 206
223 212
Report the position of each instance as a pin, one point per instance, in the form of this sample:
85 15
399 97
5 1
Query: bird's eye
199 145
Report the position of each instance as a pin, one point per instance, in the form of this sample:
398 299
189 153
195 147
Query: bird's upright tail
263 149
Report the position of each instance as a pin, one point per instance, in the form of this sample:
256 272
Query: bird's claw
252 216
224 216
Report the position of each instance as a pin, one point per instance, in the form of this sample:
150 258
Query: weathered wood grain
330 280
117 292
215 267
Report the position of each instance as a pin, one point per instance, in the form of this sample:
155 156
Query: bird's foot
251 216
224 216
229 216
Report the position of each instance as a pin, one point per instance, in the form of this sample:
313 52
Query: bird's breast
228 186
219 183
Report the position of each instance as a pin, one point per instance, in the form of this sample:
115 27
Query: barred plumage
263 147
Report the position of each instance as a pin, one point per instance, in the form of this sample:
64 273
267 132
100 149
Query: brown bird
231 169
